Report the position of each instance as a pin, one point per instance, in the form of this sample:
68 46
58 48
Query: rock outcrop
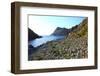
32 35
61 31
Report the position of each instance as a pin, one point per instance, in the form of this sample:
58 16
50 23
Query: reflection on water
39 41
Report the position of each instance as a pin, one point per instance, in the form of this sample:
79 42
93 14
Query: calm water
39 41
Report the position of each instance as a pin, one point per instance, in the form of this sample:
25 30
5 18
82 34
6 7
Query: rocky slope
32 35
73 46
61 31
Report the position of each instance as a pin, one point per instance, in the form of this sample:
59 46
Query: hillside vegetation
73 46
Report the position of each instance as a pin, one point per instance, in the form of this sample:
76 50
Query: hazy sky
45 25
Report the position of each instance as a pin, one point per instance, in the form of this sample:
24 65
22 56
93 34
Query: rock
32 35
30 46
61 31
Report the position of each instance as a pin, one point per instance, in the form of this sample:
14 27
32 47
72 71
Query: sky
45 25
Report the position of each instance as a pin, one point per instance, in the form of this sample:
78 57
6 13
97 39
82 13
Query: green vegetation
74 46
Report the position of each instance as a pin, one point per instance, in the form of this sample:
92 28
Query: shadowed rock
32 35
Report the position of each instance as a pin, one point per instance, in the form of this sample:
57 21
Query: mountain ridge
61 31
32 35
73 46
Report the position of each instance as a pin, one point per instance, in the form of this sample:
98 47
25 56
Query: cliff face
61 31
32 35
74 46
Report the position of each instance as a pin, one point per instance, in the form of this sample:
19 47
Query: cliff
61 31
32 35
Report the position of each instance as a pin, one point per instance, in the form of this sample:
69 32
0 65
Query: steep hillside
32 35
74 46
61 31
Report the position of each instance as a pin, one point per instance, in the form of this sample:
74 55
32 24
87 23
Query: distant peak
58 28
61 31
